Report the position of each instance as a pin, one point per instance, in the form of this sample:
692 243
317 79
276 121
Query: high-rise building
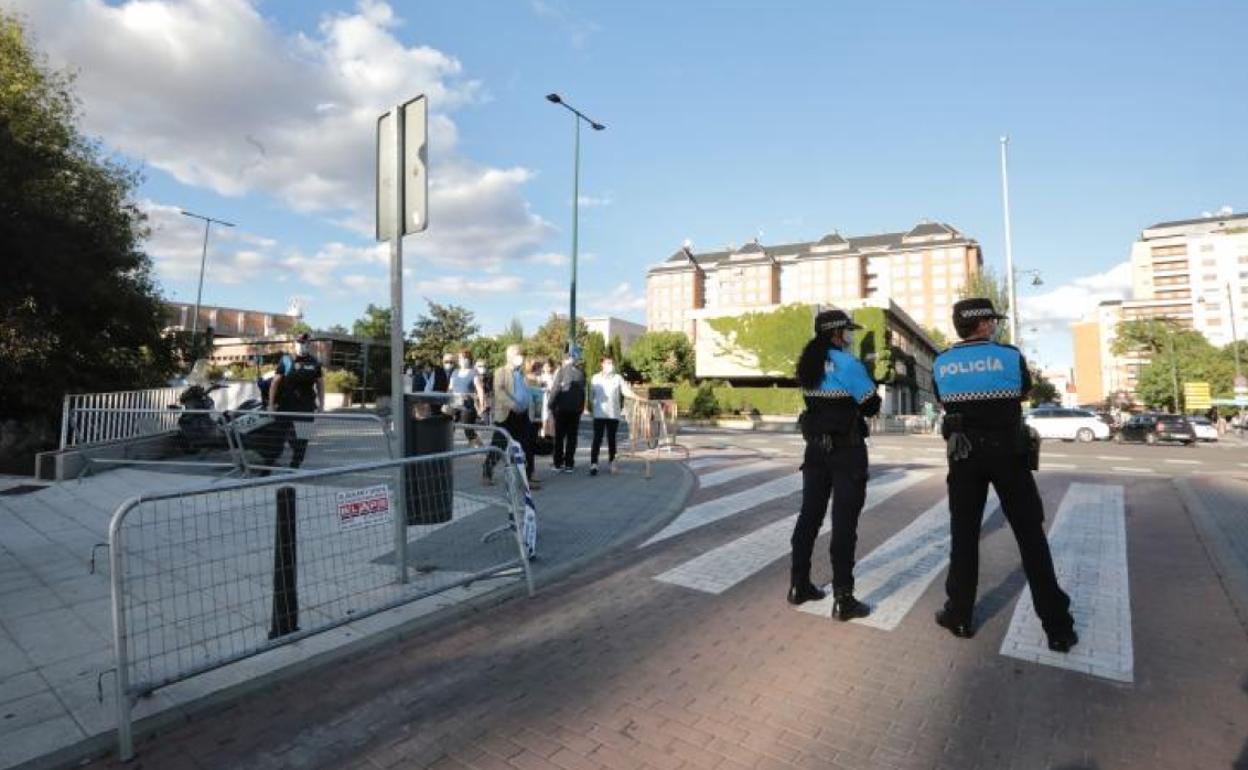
1099 374
1194 271
921 270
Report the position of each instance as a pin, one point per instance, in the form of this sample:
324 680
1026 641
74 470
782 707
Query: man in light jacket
512 398
607 393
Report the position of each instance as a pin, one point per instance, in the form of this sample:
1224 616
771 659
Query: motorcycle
202 427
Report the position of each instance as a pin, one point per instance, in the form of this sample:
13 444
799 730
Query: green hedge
744 400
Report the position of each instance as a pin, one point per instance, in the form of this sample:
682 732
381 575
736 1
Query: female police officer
838 394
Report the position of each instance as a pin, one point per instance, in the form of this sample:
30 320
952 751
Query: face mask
481 368
608 368
448 366
301 349
463 363
517 361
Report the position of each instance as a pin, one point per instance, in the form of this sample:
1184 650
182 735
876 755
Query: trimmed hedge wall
744 400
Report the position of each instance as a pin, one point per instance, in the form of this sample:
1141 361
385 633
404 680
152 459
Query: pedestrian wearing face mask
297 386
607 393
513 397
567 404
839 395
465 384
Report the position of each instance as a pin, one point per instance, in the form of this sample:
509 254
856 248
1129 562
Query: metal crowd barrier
94 418
244 442
652 428
205 577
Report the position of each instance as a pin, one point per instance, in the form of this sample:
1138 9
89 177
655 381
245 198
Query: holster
1031 441
950 424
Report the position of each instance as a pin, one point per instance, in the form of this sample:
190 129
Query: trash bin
428 487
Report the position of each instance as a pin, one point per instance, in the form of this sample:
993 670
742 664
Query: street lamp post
1036 280
1009 251
203 260
577 117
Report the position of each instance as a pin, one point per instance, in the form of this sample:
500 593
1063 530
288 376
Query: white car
1205 430
1068 424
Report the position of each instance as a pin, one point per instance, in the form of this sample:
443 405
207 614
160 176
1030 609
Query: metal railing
205 577
241 441
95 418
883 424
652 428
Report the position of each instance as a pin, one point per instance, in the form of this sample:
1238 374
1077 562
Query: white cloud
618 300
176 244
462 285
590 201
551 258
212 92
577 29
1052 312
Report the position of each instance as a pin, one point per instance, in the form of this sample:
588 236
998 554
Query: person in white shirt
607 392
465 382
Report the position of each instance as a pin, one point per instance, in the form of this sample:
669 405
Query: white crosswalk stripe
741 471
712 461
721 568
721 508
1089 544
893 576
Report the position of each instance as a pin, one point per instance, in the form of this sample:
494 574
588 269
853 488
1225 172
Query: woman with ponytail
839 394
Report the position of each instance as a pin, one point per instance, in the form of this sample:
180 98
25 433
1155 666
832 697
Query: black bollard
285 587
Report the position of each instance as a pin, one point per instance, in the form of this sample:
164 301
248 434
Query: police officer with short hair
298 386
981 383
838 393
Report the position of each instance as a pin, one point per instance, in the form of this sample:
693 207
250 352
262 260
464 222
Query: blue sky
726 121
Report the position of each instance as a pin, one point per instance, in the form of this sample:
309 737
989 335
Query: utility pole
203 260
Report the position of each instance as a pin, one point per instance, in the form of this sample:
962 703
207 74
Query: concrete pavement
622 668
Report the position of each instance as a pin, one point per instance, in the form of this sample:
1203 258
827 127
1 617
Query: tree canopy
445 329
1176 355
662 357
374 324
79 309
986 283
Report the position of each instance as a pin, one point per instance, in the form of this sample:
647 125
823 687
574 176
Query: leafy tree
446 328
374 324
616 351
595 351
986 283
937 336
662 357
551 338
79 310
1043 391
488 349
1177 355
300 327
513 334
338 329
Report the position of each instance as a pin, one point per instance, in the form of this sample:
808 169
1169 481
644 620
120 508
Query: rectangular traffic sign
413 182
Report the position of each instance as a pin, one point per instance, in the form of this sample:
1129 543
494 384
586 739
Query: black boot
959 628
802 591
846 607
1062 641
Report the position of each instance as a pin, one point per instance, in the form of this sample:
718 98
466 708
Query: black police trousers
842 473
996 459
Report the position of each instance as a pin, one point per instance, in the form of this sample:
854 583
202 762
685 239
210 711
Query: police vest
299 376
979 371
844 376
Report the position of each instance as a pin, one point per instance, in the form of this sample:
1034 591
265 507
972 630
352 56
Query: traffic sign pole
398 404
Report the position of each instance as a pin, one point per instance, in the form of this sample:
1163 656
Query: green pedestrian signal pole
577 117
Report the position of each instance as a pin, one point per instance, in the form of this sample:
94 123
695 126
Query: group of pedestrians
980 383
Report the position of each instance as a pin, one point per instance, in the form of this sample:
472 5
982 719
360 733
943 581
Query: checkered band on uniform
977 312
983 395
835 393
828 326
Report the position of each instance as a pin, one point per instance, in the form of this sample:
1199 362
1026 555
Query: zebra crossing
1088 541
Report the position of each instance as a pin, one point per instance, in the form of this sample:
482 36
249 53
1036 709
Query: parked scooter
202 427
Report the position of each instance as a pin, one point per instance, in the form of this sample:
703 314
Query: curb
103 745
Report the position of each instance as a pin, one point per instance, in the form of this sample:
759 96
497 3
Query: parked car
1154 428
1068 424
1204 428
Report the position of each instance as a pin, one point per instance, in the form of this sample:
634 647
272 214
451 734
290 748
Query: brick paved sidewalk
614 669
55 632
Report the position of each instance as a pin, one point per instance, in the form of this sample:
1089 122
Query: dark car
1154 428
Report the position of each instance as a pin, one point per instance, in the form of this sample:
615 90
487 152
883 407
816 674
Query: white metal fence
96 418
205 577
652 426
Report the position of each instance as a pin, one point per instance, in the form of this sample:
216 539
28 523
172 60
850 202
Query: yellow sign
1197 396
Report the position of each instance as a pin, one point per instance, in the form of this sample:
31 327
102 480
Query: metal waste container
428 487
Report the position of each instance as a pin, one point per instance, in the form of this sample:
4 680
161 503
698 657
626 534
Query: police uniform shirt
833 407
984 382
297 393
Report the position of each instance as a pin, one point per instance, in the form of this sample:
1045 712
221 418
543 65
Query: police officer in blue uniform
981 383
838 393
297 386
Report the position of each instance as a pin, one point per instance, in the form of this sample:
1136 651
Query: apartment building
920 269
1194 271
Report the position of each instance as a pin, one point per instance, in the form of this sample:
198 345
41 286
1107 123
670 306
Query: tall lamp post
1036 280
577 117
203 260
1009 250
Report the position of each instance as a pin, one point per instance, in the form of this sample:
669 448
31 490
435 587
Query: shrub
704 403
341 381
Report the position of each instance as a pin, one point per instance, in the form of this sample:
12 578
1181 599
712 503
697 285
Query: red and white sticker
364 507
